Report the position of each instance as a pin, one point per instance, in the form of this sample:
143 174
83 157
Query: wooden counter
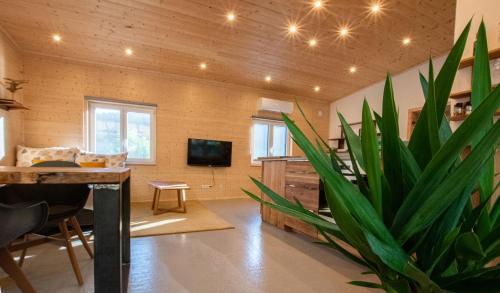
292 177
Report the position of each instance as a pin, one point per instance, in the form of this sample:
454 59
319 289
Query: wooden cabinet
295 179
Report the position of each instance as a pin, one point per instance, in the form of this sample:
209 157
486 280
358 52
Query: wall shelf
460 95
464 116
465 94
413 114
467 62
7 104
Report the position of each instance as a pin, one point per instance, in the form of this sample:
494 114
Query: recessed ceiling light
268 78
353 69
375 8
344 31
406 41
313 42
203 65
318 4
293 28
129 51
57 38
317 88
231 16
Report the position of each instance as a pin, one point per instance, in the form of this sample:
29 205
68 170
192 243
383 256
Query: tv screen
214 153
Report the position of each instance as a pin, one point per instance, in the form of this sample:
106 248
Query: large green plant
412 220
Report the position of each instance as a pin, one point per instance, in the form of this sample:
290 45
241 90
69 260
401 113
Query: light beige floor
197 219
254 257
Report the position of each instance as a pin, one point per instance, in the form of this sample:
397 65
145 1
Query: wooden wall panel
11 65
187 107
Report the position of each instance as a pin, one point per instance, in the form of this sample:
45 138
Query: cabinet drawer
301 170
299 226
302 183
306 193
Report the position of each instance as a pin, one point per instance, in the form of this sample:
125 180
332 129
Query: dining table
111 212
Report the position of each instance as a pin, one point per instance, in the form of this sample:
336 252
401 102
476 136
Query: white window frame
124 107
270 123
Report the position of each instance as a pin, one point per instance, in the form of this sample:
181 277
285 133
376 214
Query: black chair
65 202
17 220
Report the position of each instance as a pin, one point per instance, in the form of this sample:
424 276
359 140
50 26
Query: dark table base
111 237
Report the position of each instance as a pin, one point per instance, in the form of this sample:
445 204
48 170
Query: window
270 138
2 136
114 127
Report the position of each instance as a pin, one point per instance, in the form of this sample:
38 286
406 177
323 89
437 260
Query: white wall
489 10
407 88
407 91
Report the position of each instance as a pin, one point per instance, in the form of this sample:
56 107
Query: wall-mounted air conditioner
266 104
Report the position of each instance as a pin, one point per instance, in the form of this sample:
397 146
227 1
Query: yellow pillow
93 164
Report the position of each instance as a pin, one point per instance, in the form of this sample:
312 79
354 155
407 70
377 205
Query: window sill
140 163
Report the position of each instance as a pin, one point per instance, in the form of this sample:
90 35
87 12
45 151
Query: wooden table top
62 175
168 184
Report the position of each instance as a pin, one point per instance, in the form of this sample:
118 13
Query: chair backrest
75 195
56 164
20 219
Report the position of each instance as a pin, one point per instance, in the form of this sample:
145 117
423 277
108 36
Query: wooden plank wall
11 65
187 107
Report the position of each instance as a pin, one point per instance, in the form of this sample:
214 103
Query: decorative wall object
12 85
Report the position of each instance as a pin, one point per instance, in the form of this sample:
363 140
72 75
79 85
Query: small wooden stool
181 188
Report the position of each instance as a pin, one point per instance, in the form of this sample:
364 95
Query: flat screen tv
213 153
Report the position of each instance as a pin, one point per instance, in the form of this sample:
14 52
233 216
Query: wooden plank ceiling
175 36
